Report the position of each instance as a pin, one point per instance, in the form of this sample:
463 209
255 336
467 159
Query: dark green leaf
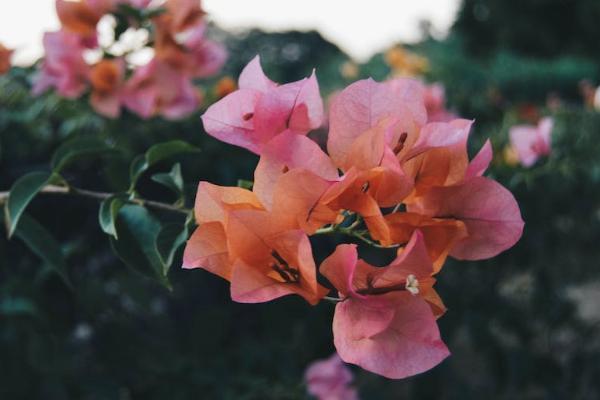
78 149
153 12
17 306
169 240
157 153
138 232
173 180
21 194
109 210
162 151
245 184
42 243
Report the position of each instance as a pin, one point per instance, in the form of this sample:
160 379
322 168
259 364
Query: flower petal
207 249
361 105
228 119
489 211
396 342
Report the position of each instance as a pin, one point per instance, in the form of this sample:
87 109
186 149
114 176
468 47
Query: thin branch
69 190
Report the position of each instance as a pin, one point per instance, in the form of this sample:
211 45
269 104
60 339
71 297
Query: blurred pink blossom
63 67
532 142
159 89
329 379
435 103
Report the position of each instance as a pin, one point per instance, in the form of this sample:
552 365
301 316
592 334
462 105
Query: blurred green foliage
517 324
530 27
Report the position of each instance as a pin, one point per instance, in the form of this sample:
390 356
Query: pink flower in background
64 67
329 379
435 103
158 89
532 142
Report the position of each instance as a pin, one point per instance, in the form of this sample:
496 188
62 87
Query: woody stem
69 190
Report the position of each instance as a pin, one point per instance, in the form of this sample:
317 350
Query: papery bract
207 247
381 325
260 110
488 210
532 142
284 152
262 257
440 235
270 261
330 379
363 104
63 67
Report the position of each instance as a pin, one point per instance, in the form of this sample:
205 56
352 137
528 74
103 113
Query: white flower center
412 284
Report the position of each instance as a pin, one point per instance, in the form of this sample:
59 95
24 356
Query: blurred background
523 325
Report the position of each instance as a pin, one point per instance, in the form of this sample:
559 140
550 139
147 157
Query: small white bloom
412 284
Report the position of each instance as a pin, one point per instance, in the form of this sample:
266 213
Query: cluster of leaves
139 239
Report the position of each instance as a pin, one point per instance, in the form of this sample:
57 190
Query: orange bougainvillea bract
393 177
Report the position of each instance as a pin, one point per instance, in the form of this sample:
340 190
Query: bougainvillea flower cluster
390 178
532 142
163 86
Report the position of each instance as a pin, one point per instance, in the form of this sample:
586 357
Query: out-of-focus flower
588 92
597 99
330 379
435 103
180 40
224 86
5 55
158 89
349 70
81 16
510 156
106 78
532 142
528 112
405 63
64 67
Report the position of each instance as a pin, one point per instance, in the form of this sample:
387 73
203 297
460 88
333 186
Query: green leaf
107 215
21 194
245 184
157 153
17 306
80 148
43 244
169 240
172 180
138 232
153 12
